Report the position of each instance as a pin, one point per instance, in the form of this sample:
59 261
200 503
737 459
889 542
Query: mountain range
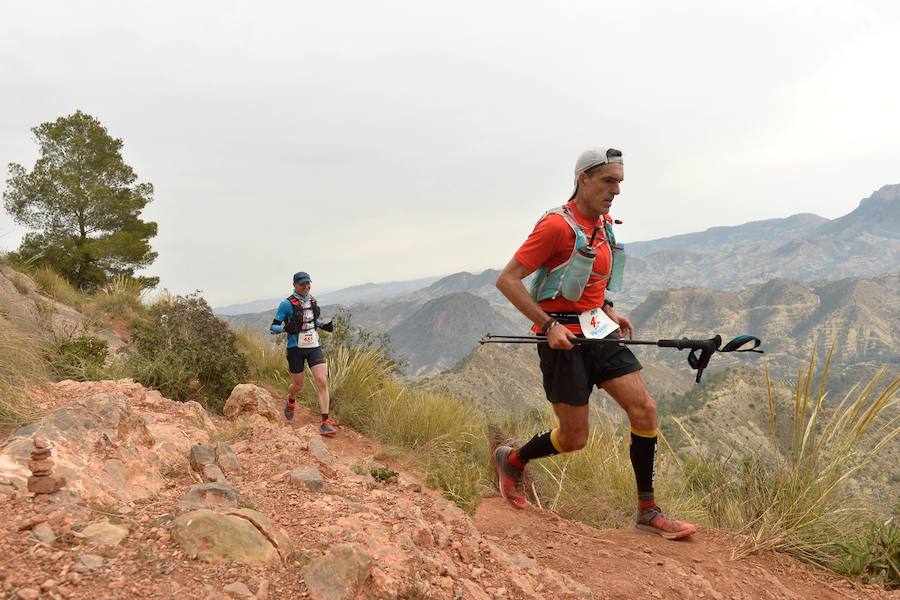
767 277
365 292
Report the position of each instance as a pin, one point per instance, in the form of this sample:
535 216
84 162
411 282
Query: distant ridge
755 231
364 292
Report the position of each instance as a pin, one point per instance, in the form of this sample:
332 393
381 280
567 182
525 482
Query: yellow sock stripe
554 439
646 433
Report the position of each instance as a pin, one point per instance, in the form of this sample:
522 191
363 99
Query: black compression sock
539 446
324 416
643 461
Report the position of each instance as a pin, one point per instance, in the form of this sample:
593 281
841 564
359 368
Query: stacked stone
41 466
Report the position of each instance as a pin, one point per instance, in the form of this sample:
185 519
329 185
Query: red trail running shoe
509 478
654 520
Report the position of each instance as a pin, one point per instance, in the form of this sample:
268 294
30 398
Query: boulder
251 399
215 537
264 524
338 575
308 476
104 533
210 495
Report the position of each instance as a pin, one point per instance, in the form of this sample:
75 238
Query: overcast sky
379 141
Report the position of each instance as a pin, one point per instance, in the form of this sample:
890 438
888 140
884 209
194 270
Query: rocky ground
163 501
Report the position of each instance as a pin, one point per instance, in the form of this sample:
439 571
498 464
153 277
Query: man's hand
329 326
626 329
558 337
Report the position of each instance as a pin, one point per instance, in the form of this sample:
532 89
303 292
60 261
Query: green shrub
186 352
80 358
875 558
384 474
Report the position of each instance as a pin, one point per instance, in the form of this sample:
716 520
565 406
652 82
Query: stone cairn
41 467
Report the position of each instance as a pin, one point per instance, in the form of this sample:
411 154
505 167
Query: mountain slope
791 318
443 330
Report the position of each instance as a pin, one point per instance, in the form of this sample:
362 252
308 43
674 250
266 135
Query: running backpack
296 323
570 279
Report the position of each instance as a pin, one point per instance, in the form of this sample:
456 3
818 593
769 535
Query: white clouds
378 141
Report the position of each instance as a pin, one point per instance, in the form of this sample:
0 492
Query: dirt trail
629 564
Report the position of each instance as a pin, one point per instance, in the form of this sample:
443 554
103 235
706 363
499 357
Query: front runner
298 316
564 305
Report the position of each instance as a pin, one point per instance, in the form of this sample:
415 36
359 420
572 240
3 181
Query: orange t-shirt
551 244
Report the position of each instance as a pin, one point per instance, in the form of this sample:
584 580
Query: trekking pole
698 358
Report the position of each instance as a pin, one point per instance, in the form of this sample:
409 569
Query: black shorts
296 356
569 375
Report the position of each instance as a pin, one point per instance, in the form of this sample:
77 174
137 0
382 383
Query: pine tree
83 204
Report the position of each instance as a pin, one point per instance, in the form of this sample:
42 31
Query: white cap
593 157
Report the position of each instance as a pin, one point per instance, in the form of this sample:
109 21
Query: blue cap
302 277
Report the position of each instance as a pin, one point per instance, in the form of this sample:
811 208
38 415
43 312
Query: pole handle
711 344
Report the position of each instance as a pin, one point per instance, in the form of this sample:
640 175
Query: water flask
576 277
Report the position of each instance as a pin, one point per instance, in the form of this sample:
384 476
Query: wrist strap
546 327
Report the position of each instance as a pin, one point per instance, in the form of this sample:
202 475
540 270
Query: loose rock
44 534
227 459
210 495
201 455
339 574
104 533
238 589
318 449
309 476
213 473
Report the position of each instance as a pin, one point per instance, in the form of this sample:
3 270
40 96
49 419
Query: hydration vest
296 323
572 277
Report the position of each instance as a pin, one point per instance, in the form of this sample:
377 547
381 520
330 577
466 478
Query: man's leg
632 395
571 435
320 377
568 388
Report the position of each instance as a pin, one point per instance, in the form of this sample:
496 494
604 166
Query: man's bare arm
510 285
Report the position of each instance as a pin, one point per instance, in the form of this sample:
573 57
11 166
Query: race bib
308 339
595 324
